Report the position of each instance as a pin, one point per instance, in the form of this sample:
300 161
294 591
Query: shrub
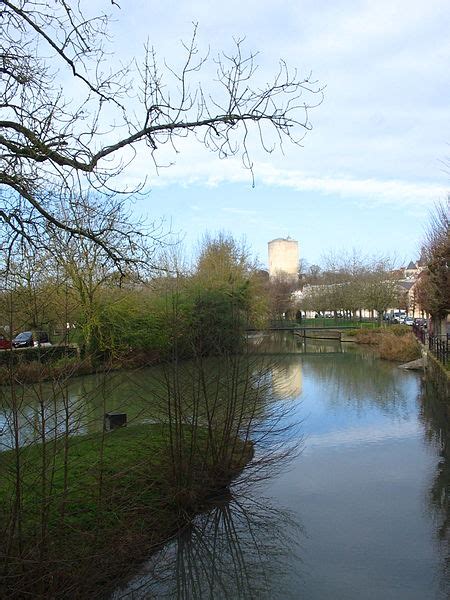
399 330
30 372
363 336
394 343
402 348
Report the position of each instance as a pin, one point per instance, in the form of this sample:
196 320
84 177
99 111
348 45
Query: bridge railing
322 322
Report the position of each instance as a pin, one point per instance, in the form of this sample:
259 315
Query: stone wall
437 373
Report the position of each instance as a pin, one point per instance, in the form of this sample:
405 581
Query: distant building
408 285
283 258
413 270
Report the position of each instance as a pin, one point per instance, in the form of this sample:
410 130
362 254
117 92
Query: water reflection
237 549
286 342
77 406
435 417
30 411
287 378
358 487
361 380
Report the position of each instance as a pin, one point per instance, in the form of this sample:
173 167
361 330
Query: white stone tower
283 258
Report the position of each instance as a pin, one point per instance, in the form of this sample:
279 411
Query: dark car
5 344
27 339
423 323
23 340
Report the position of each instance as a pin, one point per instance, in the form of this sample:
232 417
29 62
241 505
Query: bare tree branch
53 148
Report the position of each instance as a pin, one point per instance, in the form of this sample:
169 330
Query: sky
374 163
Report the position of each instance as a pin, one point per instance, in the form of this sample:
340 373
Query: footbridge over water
294 342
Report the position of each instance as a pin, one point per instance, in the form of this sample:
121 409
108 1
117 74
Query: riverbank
396 343
90 508
32 366
438 374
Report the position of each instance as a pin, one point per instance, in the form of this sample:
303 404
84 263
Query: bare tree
434 283
54 148
280 299
351 282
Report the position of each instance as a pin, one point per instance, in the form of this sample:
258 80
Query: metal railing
437 344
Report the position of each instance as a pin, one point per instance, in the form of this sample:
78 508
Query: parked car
5 344
23 340
421 323
395 316
28 339
409 321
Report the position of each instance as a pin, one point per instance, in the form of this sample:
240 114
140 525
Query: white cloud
384 125
400 193
213 172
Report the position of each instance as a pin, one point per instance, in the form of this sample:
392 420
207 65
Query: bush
363 336
393 343
402 348
399 330
41 355
32 371
373 336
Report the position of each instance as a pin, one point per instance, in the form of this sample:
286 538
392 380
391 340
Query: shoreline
140 508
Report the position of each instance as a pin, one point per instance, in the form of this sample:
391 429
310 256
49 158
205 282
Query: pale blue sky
371 168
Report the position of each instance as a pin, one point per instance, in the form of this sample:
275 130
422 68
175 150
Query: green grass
337 323
138 506
324 322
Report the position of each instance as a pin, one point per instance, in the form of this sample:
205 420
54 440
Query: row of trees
74 288
351 283
207 414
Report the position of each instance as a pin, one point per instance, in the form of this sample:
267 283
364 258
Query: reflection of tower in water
287 379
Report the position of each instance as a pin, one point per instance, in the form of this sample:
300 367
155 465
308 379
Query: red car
5 344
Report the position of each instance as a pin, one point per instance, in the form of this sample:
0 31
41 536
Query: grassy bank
323 322
396 343
32 371
90 507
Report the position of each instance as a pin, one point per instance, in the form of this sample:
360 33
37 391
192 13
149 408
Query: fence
438 344
439 347
321 322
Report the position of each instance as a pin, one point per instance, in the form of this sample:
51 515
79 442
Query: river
359 511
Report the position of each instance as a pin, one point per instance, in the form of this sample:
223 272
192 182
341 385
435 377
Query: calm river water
362 512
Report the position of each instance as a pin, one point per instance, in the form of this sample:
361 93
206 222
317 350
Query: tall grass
396 343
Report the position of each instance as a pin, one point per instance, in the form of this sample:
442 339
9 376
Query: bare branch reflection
237 549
